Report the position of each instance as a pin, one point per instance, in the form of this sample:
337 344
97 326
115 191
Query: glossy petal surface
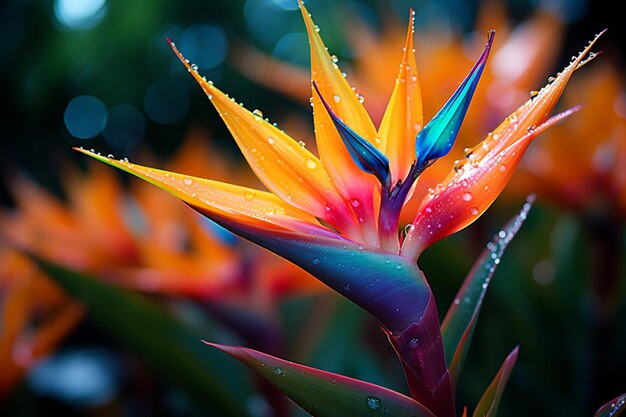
437 137
403 116
476 182
288 169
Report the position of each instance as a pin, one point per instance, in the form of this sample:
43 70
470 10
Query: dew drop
316 261
278 371
270 141
257 112
473 211
413 344
373 402
188 181
194 67
302 144
502 168
355 202
248 195
334 58
336 98
467 196
311 164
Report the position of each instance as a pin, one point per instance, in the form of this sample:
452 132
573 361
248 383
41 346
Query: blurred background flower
99 74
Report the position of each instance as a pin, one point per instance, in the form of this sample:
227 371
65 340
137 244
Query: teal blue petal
437 137
365 155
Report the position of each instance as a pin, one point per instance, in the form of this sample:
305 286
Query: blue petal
366 156
437 137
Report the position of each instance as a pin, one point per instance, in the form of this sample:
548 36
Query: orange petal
240 204
356 186
403 117
467 194
532 113
287 169
471 188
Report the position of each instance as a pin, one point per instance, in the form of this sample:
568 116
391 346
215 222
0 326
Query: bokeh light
293 48
79 14
85 117
204 45
125 127
81 377
167 101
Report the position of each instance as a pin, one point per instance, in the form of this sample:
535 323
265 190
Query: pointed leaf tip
459 323
490 401
437 137
365 155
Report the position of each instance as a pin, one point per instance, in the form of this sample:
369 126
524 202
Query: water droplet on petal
473 211
467 196
373 402
270 141
413 344
257 112
502 168
311 164
336 98
278 371
188 181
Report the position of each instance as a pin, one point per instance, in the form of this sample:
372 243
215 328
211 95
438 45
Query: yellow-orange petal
285 167
237 203
404 117
356 186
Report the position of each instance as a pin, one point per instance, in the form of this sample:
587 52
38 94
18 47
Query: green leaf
489 402
324 394
613 408
458 326
165 343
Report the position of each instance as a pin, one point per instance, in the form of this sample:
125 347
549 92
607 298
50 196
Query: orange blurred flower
132 238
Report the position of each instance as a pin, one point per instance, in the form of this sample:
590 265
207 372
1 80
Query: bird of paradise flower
337 216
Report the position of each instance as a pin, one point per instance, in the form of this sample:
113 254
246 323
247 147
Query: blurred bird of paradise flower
338 215
131 238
